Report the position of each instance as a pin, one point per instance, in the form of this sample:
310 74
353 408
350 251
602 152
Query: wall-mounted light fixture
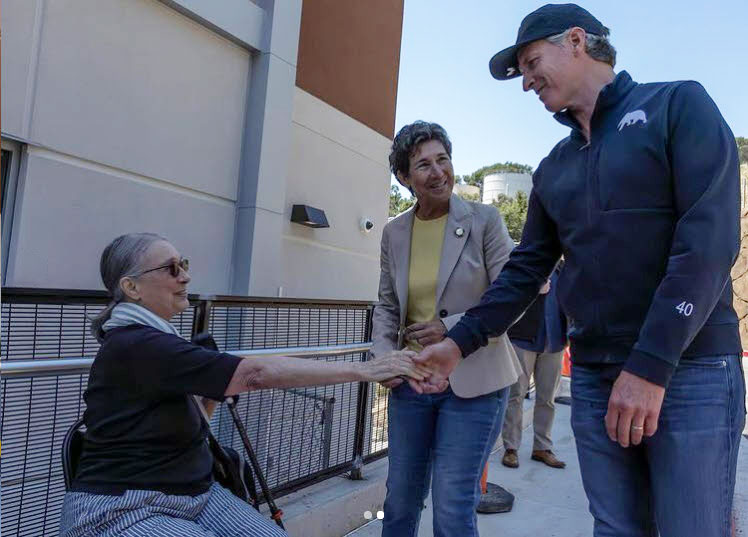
309 216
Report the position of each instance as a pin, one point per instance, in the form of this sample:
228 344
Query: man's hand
633 409
426 333
441 358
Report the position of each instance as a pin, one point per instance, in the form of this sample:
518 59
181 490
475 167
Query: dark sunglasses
174 267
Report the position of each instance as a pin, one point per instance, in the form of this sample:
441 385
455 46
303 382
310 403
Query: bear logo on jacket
632 118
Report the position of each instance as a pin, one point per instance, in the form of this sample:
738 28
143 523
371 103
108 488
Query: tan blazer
476 246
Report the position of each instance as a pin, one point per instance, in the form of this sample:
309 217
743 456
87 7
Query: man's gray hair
598 47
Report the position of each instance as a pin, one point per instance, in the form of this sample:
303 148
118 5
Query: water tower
505 183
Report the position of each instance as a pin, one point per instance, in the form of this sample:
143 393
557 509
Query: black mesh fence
375 444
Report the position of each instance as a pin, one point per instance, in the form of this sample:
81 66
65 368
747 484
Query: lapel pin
459 232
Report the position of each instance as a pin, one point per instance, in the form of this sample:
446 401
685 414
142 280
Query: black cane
275 513
206 340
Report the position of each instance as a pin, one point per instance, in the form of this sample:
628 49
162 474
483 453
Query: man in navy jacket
642 199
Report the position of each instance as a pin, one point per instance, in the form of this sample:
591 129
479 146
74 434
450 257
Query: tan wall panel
349 56
134 85
339 165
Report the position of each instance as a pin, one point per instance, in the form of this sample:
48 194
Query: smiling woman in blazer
437 259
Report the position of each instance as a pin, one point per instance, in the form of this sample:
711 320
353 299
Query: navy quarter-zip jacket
647 217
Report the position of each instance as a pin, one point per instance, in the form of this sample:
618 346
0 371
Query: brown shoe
546 456
510 458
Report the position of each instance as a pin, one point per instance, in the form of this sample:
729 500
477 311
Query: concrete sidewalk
551 502
548 501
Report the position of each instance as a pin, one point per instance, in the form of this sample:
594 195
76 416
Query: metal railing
72 366
300 436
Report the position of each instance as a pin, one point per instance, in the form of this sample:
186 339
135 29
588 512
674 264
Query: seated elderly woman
146 468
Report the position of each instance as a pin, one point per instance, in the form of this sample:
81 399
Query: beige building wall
339 165
342 128
204 122
131 116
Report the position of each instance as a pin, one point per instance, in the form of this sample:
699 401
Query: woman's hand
392 383
425 333
392 365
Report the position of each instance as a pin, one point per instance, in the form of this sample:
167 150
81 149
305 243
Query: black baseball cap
551 19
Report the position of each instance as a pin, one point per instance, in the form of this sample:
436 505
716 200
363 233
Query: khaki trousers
546 368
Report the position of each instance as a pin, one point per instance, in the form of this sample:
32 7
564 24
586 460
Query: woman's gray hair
598 47
123 257
407 141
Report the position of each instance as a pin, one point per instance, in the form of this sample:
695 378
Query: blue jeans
681 480
449 436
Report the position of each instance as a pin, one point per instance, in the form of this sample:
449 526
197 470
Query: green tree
398 203
742 149
469 197
514 212
476 178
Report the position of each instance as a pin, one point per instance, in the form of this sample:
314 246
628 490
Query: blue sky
446 46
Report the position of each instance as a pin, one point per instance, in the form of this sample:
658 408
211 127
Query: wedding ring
637 428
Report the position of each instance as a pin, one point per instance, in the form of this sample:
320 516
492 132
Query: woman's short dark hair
122 257
408 140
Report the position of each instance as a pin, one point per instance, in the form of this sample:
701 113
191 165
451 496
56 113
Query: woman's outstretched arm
255 373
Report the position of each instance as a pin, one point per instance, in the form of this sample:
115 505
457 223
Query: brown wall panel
349 56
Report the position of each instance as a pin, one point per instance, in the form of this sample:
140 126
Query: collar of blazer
460 216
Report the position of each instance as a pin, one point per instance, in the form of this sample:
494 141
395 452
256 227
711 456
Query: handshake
427 371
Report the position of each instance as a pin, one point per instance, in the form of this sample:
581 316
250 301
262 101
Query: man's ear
130 288
578 40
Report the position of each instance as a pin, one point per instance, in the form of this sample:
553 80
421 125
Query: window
10 160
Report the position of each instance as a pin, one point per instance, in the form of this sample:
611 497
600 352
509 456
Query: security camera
366 225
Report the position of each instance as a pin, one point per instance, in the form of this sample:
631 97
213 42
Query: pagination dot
367 515
380 515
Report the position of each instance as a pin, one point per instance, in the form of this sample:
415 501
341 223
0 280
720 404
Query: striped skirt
147 513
